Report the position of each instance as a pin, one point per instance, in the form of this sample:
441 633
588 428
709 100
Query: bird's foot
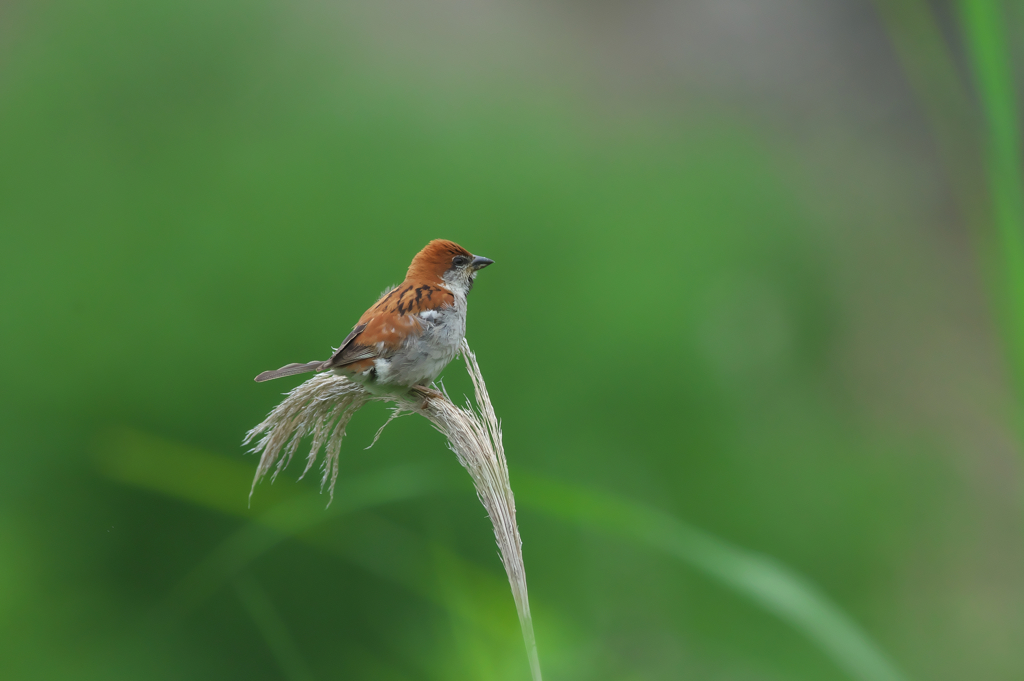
426 394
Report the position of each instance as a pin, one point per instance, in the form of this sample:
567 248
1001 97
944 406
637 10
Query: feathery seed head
323 406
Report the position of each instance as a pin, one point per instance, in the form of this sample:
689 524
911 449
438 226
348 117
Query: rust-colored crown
434 260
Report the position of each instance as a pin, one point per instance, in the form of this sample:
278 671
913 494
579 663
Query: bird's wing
381 330
384 327
380 336
348 351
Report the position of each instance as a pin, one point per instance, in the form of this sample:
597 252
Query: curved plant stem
475 437
323 406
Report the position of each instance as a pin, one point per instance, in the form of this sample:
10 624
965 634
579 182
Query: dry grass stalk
324 405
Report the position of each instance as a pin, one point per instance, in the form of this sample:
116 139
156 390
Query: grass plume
322 408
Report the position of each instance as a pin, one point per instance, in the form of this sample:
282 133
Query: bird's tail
289 370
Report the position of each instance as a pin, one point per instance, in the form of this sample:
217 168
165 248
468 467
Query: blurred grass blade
206 479
452 581
292 518
266 618
282 512
189 473
930 68
985 31
210 481
996 211
760 578
201 477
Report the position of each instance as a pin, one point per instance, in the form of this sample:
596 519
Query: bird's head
448 264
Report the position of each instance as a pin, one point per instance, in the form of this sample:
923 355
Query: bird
403 342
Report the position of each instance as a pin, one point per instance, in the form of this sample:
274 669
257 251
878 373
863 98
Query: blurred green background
738 280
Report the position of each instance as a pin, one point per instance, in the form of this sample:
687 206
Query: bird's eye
460 260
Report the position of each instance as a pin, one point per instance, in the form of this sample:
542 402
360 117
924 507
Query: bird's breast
425 355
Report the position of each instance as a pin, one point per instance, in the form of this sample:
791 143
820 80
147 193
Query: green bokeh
191 193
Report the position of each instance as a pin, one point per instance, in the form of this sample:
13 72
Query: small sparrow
406 339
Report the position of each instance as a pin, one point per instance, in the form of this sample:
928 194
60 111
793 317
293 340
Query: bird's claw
426 393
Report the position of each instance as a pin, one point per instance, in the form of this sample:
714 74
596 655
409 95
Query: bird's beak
480 262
